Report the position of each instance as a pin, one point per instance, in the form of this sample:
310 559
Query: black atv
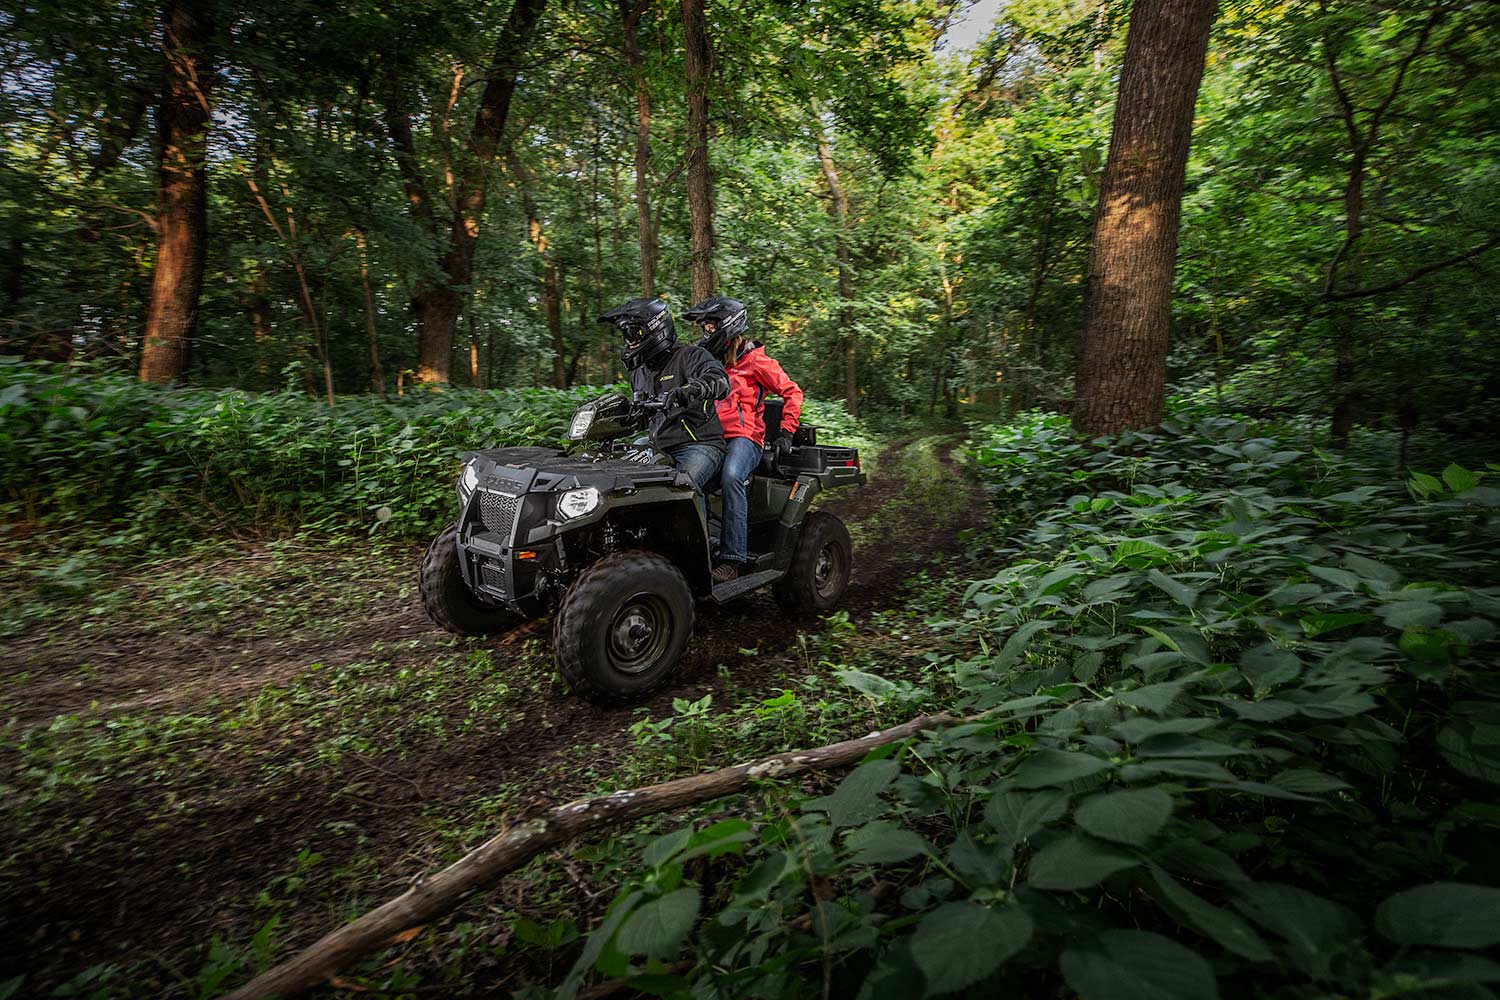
617 545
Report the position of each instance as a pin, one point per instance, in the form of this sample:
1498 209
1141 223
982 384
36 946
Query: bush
144 464
1235 730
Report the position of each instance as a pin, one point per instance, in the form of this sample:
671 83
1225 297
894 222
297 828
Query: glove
781 445
682 397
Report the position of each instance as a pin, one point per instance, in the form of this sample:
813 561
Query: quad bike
618 546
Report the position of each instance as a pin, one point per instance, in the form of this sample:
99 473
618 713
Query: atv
618 546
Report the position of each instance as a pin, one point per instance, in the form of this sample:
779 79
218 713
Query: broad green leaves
959 944
1137 965
1444 915
1056 767
1132 816
1076 862
658 927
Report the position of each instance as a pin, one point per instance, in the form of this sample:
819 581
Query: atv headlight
576 503
582 421
468 481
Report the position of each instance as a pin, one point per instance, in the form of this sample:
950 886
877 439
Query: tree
1122 352
439 300
699 179
183 115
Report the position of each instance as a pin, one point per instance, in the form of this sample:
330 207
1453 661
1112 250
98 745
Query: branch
1419 273
513 847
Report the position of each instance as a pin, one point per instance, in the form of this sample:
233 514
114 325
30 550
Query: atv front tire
449 601
622 627
820 567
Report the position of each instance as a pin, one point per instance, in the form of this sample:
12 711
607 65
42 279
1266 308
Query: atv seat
805 434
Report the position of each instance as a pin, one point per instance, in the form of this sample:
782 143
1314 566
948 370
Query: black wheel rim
639 633
828 570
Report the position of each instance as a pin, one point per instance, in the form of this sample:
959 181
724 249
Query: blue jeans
741 459
699 461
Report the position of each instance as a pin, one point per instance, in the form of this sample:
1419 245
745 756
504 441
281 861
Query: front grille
494 577
498 511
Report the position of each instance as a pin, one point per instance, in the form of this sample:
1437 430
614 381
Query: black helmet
729 318
648 329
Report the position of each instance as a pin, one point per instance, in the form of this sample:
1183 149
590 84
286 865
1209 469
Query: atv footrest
740 584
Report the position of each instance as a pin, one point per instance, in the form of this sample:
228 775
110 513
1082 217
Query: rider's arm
704 376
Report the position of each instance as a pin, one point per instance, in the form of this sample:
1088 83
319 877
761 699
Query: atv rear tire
622 627
820 567
449 601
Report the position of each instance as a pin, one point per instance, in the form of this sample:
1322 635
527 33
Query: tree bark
377 375
839 209
1122 353
513 847
699 57
551 296
183 121
439 303
631 11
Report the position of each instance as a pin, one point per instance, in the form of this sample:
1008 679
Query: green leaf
1307 781
1076 862
664 847
959 944
1459 479
657 928
1138 965
1135 552
1443 915
1017 643
1337 577
1405 614
1156 698
857 797
1321 624
1309 922
1130 816
1425 485
883 843
1267 665
1180 592
1223 926
871 686
1018 815
1056 767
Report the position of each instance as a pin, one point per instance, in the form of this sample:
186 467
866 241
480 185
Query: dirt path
284 735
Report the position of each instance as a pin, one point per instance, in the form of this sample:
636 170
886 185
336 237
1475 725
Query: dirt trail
185 834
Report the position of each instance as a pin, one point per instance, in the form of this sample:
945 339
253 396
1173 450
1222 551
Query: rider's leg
739 461
699 461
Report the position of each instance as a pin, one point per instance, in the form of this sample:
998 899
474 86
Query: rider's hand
781 445
681 397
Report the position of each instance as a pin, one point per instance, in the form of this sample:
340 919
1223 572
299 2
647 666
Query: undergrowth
1234 731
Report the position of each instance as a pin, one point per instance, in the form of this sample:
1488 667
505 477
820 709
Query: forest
1162 663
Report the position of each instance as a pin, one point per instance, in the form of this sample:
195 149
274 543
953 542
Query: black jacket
694 369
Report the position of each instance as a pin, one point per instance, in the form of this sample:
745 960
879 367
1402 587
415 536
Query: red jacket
751 379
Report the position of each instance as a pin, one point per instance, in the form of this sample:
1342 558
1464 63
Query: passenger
752 374
688 377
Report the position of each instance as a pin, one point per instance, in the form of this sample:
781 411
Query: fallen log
513 847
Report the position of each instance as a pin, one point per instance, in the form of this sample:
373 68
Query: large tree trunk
631 11
839 208
182 179
1122 354
700 182
438 305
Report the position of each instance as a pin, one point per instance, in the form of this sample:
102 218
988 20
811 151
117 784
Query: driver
688 378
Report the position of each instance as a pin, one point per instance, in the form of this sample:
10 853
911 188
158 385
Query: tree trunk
183 122
260 321
631 11
1122 354
699 181
551 296
377 375
839 209
438 305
